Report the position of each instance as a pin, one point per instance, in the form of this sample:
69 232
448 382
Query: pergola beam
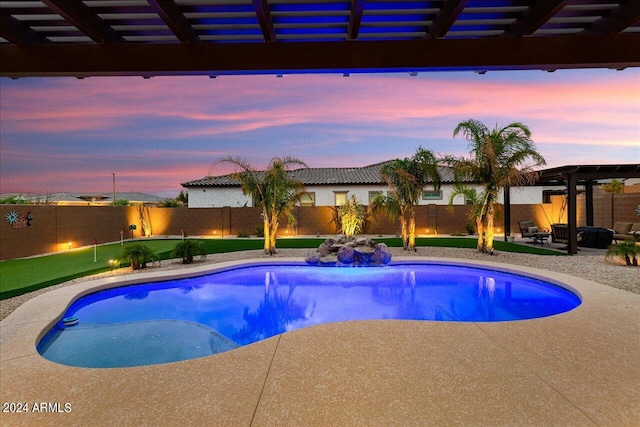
502 53
621 17
175 20
535 17
264 18
16 32
355 19
589 173
84 19
443 21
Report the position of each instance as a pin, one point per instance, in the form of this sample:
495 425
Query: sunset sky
65 134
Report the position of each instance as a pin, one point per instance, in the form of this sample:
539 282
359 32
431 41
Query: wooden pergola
217 37
571 177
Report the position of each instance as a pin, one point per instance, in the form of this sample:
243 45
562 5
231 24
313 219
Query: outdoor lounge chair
560 233
626 231
528 229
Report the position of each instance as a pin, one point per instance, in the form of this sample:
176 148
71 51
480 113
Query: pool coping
578 385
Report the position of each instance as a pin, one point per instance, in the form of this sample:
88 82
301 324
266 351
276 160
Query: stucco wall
217 197
325 195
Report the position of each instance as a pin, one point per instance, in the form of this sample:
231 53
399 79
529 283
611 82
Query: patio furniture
542 238
626 231
528 229
595 237
560 233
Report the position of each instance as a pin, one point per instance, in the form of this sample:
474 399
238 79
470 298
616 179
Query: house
86 199
334 186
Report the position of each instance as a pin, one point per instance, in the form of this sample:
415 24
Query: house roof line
361 175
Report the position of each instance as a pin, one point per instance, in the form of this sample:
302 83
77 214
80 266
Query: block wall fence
59 228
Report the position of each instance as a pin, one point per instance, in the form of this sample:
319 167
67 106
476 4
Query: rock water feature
356 251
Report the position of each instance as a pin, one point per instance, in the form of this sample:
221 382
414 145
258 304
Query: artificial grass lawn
24 275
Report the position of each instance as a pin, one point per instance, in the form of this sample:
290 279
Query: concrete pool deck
579 368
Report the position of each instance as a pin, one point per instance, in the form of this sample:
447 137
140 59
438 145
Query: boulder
366 249
327 261
313 258
361 241
381 255
346 255
324 249
360 251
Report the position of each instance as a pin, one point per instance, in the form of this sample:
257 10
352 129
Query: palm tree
274 190
407 180
471 194
187 249
626 249
501 157
138 255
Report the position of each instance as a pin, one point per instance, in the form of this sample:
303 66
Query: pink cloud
240 104
600 112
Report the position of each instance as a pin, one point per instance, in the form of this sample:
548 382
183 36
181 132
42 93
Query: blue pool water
187 318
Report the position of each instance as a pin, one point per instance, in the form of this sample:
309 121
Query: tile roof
134 196
366 175
54 198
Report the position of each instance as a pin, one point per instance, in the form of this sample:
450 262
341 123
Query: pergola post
589 202
572 245
507 212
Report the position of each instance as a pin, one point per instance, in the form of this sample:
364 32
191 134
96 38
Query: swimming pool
182 319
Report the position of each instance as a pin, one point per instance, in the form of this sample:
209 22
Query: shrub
12 200
138 255
169 203
470 228
242 234
352 217
260 230
187 249
183 197
615 186
626 249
